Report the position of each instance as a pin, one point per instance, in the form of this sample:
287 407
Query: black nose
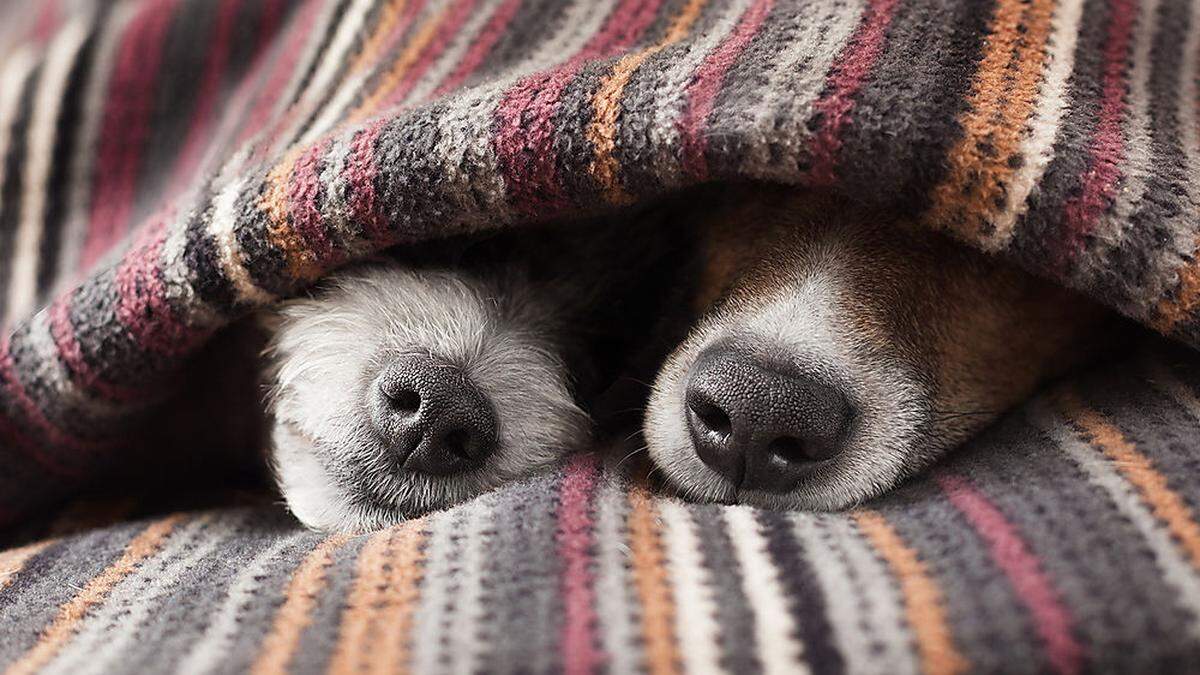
758 425
434 418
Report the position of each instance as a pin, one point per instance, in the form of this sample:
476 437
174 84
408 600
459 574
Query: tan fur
971 333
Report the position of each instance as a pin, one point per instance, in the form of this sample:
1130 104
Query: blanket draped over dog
169 165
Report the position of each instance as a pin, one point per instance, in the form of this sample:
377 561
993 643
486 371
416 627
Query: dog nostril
455 442
430 414
406 401
761 425
712 417
788 449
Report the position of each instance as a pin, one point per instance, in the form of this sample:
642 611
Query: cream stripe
1109 231
223 628
221 227
1189 109
865 608
13 79
334 112
696 628
825 29
671 87
614 585
98 647
337 57
82 167
435 612
1176 570
775 632
294 616
466 649
290 97
62 55
1037 148
453 54
484 186
53 374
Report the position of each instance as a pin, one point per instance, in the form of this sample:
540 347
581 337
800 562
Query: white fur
805 319
332 470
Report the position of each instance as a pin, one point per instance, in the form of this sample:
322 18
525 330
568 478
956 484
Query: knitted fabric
170 165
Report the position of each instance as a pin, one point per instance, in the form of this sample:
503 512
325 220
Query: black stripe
66 135
739 650
11 192
805 599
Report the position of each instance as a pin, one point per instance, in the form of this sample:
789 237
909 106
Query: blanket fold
172 164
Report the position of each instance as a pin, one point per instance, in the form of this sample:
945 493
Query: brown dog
838 351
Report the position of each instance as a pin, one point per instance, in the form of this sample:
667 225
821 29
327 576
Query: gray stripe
865 609
439 584
98 639
50 580
526 605
738 643
221 626
615 599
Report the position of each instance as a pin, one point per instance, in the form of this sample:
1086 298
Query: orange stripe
357 625
295 615
66 622
922 598
13 561
602 130
274 203
388 574
1181 306
392 654
1165 503
650 580
402 65
388 17
1004 94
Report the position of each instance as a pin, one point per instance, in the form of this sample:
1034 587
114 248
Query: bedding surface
1063 540
168 166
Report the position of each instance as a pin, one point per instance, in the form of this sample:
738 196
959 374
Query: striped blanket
167 166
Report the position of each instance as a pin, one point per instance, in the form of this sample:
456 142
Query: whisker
644 448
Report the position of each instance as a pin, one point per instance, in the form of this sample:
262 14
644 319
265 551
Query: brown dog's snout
435 419
759 425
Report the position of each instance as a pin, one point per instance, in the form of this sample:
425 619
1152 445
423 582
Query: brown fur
978 334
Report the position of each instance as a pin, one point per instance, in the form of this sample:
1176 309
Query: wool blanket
170 165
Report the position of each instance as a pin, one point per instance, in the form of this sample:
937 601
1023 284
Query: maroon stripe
11 431
206 98
481 46
142 305
524 141
702 93
48 20
71 355
1053 621
849 72
580 648
1107 146
304 190
359 173
125 127
32 412
281 72
450 27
